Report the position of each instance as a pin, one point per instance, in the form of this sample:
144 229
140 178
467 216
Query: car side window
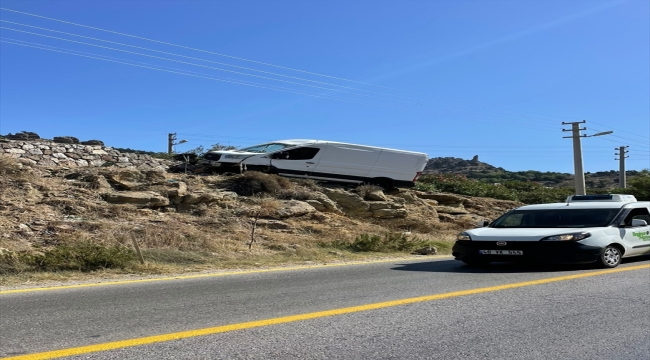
301 153
640 213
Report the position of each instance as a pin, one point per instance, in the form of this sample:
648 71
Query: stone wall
50 154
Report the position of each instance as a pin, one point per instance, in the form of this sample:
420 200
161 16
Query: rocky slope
225 218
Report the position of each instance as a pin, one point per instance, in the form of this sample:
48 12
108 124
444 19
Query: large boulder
375 195
322 203
443 199
280 209
293 208
352 204
389 213
137 198
125 179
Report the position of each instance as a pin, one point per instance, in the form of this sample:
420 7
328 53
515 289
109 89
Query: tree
218 146
640 185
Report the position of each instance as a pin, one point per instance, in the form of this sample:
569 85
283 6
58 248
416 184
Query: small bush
390 242
296 193
80 256
11 168
365 190
253 183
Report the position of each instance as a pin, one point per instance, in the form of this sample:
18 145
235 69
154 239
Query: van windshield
556 218
264 148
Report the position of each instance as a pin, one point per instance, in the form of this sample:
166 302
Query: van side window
639 213
302 153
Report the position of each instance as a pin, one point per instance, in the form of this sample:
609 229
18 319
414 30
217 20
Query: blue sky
449 78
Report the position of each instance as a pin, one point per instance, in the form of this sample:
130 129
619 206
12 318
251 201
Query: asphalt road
415 309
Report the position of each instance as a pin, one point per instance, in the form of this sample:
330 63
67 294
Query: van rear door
296 162
398 165
347 161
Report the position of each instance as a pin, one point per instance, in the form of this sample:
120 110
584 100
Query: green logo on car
644 236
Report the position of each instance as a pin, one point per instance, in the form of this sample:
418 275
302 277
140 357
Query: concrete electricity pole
577 152
579 173
170 143
621 166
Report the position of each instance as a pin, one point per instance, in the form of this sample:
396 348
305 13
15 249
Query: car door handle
309 162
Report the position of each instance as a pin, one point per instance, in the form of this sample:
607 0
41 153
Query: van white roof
613 201
601 197
307 141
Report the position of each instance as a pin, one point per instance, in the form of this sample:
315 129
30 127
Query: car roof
587 205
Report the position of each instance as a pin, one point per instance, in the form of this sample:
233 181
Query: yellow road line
301 317
226 273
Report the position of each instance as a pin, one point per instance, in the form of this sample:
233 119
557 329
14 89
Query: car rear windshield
556 218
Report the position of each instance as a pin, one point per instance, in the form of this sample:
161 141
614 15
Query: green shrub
80 256
458 184
390 242
528 192
639 186
253 183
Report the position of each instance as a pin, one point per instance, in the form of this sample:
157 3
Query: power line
201 76
244 59
240 82
417 100
224 55
627 132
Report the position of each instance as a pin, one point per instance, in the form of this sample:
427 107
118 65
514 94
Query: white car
584 229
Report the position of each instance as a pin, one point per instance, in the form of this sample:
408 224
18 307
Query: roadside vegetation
528 192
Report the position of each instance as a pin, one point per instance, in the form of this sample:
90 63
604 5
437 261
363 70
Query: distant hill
444 165
478 170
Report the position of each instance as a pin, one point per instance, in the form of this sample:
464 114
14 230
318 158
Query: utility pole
170 143
577 154
621 166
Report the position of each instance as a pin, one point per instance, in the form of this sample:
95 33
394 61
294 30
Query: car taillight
419 173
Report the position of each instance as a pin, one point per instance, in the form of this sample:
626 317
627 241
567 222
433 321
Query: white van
325 160
600 228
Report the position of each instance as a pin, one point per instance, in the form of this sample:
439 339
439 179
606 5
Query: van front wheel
610 256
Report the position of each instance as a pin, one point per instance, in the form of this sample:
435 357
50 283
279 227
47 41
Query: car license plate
501 252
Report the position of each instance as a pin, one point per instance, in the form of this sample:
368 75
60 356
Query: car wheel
475 262
610 257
